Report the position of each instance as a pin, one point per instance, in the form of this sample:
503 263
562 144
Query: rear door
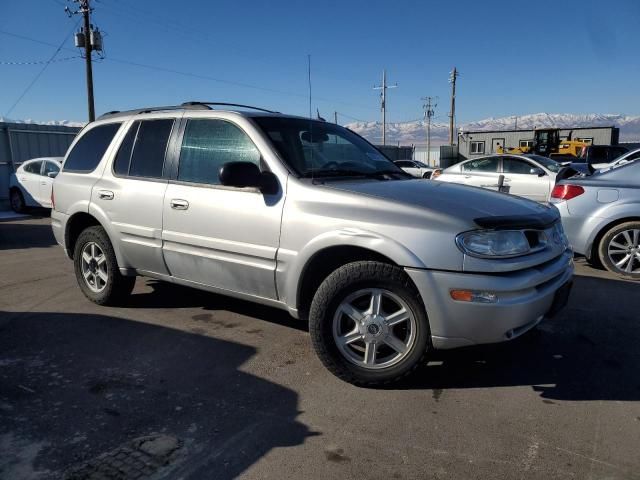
521 181
214 235
46 181
481 172
29 179
131 192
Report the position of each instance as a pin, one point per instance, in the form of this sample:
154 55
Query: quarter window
489 164
123 157
90 148
209 144
477 148
147 159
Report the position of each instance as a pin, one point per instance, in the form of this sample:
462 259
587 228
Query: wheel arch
80 221
595 244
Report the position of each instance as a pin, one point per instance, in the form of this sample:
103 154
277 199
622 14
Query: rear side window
50 167
209 144
90 148
33 167
489 164
150 148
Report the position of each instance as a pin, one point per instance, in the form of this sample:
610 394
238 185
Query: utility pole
89 39
335 117
383 103
429 110
516 123
452 113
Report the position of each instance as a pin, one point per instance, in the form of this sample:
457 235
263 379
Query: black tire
17 201
118 287
336 287
605 258
427 176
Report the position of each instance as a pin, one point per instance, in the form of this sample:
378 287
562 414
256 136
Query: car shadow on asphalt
169 295
587 352
75 386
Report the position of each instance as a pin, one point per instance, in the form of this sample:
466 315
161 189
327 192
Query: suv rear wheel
619 250
368 325
97 270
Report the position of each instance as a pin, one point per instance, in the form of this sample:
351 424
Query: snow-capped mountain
416 132
64 123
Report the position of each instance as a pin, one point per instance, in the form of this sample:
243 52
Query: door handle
178 204
105 194
43 183
467 176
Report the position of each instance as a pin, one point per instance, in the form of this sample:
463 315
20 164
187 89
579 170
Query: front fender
292 265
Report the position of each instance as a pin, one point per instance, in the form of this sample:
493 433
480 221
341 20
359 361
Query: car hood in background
472 204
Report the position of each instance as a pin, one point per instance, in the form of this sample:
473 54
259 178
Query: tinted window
147 159
33 167
50 167
597 155
402 164
90 148
209 144
123 157
515 165
614 153
489 164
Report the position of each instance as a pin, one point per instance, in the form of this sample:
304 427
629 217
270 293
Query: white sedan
415 168
30 185
529 176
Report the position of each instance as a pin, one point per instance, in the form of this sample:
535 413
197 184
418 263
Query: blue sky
515 57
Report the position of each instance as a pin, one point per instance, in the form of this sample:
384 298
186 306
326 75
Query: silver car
308 217
529 176
601 215
415 168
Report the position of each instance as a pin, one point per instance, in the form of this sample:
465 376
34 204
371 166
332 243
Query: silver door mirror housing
537 171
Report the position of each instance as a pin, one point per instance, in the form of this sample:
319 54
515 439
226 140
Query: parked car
30 185
600 215
415 168
627 157
308 217
529 176
599 154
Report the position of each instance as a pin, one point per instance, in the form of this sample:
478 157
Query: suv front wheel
97 270
368 325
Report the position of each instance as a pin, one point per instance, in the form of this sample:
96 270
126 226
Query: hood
485 208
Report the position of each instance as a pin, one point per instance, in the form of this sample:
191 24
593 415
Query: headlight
490 243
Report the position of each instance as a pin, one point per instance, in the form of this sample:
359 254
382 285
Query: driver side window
516 165
207 145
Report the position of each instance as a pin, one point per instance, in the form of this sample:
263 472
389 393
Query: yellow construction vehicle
546 142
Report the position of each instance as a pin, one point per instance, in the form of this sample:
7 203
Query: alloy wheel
94 267
374 328
624 251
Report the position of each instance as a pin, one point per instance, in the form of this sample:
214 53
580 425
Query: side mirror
52 174
537 171
247 174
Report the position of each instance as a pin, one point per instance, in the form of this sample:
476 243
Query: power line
40 62
35 79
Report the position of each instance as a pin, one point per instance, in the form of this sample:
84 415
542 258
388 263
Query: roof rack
137 111
192 104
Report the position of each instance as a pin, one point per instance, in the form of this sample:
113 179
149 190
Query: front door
46 181
216 235
522 179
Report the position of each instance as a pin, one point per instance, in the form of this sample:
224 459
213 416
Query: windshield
547 163
315 148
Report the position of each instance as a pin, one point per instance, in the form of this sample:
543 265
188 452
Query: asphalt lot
238 390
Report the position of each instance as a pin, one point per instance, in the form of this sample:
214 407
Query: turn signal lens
566 192
473 296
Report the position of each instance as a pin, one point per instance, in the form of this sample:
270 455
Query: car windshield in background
315 148
547 163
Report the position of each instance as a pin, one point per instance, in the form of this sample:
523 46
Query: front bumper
524 298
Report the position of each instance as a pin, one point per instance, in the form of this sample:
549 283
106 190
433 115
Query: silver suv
309 217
